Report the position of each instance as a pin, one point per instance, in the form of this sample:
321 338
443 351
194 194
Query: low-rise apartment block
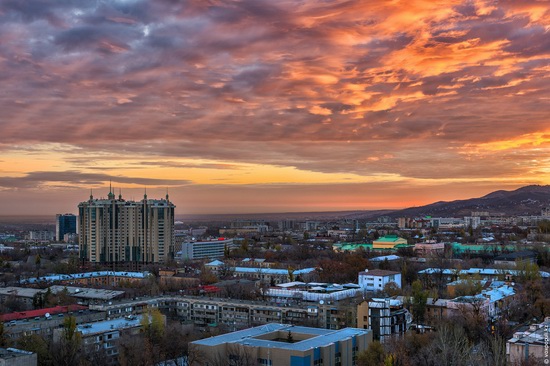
284 345
375 280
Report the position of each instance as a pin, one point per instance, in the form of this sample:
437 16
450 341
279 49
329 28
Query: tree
392 289
419 300
152 324
3 338
37 344
290 274
67 350
207 277
289 337
374 355
450 347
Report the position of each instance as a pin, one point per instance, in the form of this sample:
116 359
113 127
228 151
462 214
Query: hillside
528 200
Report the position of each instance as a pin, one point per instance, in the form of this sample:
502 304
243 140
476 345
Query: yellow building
388 242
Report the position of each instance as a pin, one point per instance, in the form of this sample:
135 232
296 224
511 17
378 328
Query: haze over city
262 106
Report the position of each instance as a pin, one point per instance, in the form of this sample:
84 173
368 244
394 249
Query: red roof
208 288
40 312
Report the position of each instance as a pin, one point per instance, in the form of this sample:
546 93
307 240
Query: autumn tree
374 355
66 351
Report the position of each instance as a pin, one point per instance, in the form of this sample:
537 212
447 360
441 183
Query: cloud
363 87
66 179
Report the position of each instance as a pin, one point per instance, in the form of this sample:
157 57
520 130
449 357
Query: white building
375 280
211 249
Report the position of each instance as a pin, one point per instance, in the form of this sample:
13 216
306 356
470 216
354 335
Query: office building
284 345
134 233
64 224
210 249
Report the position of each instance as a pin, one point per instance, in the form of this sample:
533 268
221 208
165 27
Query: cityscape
289 183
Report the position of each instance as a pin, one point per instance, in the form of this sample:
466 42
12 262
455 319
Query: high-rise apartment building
64 224
114 230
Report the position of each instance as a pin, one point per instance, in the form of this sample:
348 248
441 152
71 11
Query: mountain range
528 200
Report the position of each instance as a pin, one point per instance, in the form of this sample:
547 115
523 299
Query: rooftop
480 271
517 255
41 312
379 273
75 276
391 257
20 291
389 239
87 293
535 334
105 326
317 337
7 353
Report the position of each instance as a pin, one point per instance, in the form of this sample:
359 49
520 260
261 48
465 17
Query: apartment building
531 343
375 280
237 314
117 231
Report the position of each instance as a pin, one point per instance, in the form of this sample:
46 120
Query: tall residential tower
116 231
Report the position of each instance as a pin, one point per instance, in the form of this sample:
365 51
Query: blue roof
214 263
480 271
320 337
74 276
272 270
391 257
105 326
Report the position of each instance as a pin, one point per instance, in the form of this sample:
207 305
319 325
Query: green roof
367 246
478 248
389 238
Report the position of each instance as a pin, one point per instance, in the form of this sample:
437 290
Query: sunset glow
262 106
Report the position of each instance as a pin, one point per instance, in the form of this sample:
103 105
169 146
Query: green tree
289 337
419 300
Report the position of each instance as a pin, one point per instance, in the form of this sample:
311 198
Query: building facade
17 357
529 344
210 249
64 224
114 230
375 280
283 345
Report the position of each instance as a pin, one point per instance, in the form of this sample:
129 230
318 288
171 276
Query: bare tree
450 347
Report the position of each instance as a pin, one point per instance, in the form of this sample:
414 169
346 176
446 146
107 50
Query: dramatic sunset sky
271 106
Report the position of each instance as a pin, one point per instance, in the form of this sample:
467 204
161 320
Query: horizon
267 213
258 107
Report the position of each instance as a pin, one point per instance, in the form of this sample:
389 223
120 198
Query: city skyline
253 106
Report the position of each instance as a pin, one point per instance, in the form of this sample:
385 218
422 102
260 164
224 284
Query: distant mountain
528 200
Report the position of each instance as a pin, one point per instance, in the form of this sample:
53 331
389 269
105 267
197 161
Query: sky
271 106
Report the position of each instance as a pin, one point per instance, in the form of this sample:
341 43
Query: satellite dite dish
321 302
47 315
